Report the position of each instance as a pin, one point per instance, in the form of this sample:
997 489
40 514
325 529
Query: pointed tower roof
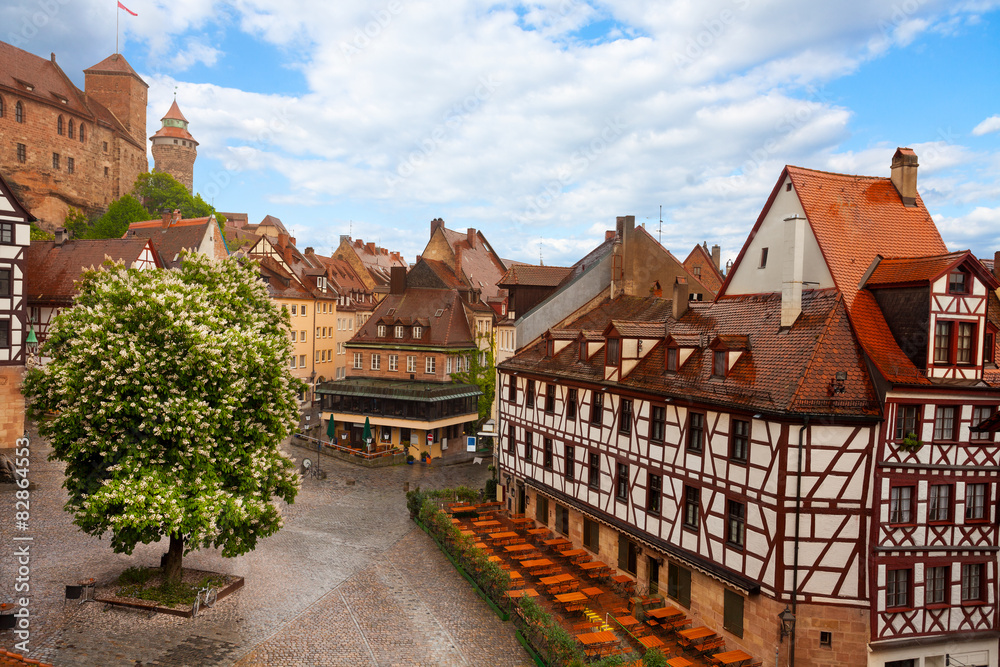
115 63
174 125
174 113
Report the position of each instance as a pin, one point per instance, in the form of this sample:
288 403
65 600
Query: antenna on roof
540 262
659 232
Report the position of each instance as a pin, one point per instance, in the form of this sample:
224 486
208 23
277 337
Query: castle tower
174 149
114 83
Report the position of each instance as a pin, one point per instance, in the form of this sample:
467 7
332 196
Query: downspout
795 562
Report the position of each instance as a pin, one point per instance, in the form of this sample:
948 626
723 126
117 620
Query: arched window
72 129
81 133
59 125
19 113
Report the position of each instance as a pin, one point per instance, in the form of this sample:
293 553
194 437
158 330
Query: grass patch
147 583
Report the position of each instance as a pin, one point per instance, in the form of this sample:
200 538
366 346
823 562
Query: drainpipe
795 564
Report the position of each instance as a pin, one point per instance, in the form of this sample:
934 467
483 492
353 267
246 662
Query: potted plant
409 459
911 443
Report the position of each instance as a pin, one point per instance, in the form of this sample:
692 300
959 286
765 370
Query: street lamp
787 619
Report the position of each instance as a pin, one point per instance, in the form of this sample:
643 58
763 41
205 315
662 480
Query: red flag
121 6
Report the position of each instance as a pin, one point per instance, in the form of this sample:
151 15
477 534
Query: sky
539 123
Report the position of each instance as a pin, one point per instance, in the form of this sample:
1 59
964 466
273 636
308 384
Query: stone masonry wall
11 405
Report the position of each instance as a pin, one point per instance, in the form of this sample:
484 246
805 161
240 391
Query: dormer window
953 342
550 348
958 282
672 354
399 331
381 331
719 364
418 332
613 352
583 349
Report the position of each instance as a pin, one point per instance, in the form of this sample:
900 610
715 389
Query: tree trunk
172 566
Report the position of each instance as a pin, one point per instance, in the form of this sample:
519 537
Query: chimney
282 240
165 215
904 175
608 235
177 216
625 224
680 297
435 224
345 237
397 280
470 237
996 265
310 251
716 256
791 278
62 235
371 248
291 240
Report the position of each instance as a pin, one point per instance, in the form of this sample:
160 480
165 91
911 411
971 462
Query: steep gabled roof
54 268
534 276
711 277
914 270
876 338
443 310
171 241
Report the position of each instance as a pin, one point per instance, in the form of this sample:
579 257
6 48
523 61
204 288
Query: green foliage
614 660
654 658
911 443
120 214
136 575
167 592
159 190
39 234
490 490
76 222
483 374
550 638
171 392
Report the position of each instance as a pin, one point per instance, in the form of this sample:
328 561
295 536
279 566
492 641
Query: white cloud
195 51
991 124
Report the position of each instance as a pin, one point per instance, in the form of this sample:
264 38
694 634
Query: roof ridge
837 174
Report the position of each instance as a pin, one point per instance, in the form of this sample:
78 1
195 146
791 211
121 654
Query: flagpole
117 14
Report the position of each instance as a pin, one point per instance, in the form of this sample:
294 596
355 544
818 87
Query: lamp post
787 619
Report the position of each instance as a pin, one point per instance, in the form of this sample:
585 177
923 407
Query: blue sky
539 123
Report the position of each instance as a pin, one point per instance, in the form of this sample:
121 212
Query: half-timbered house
15 232
821 437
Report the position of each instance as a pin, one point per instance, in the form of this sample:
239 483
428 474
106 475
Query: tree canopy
158 190
170 392
480 370
120 214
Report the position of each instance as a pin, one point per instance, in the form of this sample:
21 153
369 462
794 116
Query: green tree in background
481 372
114 223
159 190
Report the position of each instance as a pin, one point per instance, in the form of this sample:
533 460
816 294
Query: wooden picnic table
597 638
567 598
515 577
628 621
679 661
650 641
624 581
486 524
522 592
664 613
504 535
535 532
522 521
536 563
595 568
573 554
736 657
557 579
468 533
692 635
518 548
557 542
481 545
593 592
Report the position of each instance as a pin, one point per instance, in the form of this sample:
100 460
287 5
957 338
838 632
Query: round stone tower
174 149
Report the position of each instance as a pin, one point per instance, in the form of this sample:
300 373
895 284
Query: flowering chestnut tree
170 392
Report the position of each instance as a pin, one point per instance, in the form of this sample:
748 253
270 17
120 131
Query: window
826 639
571 404
512 388
542 509
528 436
594 470
697 272
295 309
22 153
972 582
70 165
763 258
106 172
897 590
318 332
82 137
447 366
696 431
591 535
376 361
295 335
550 398
583 349
529 398
4 333
907 421
72 129
989 343
679 584
657 423
613 352
975 502
1 107
59 126
4 282
628 554
18 113
569 471
692 500
939 505
411 364
981 413
958 282
935 585
963 344
901 504
105 146
562 520
732 613
547 454
393 362
429 363
942 342
55 160
293 362
418 332
672 354
736 526
739 441
654 492
399 331
625 418
944 422
381 331
596 408
303 311
621 483
302 361
302 336
357 360
719 363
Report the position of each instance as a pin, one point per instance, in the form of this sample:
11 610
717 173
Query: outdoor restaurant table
693 634
679 661
516 548
538 531
535 563
507 534
468 532
597 638
573 553
593 592
557 542
664 612
650 641
595 568
522 521
486 524
733 657
522 592
628 621
625 582
557 579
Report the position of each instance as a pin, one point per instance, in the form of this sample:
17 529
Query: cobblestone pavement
349 580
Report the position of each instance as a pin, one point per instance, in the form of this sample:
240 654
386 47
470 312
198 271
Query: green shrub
654 658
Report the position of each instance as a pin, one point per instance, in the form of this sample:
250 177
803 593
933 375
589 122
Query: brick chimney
62 235
286 254
176 217
679 305
791 272
609 234
310 251
904 175
371 248
397 280
435 224
470 237
282 240
716 256
624 225
996 265
165 215
291 239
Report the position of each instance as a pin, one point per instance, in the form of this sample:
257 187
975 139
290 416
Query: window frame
430 365
7 233
657 422
6 282
689 440
654 493
393 363
625 416
512 388
736 438
692 508
899 429
934 504
547 453
550 398
936 587
984 435
613 351
939 433
594 470
511 439
596 408
719 364
965 282
621 482
902 510
529 393
376 361
736 524
569 464
672 356
5 342
359 361
895 590
529 437
970 572
980 502
571 403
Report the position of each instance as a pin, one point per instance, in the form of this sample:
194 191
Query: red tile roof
899 270
536 276
174 113
449 329
171 241
53 269
172 132
710 276
877 340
